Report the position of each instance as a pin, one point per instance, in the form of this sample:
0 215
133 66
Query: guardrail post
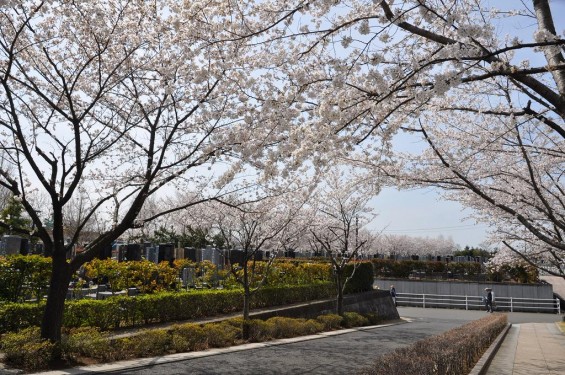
424 301
466 302
511 305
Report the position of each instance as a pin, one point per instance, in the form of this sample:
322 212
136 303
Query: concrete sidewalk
530 349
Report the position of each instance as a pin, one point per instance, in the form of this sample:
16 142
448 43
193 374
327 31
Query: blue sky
421 213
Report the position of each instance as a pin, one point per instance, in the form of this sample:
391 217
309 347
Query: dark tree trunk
246 303
339 287
53 315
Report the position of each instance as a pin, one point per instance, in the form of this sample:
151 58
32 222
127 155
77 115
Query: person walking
488 299
393 294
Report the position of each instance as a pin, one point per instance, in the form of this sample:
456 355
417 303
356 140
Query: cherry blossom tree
341 212
252 229
507 263
117 101
483 91
403 245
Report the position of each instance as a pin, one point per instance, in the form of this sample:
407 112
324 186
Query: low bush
24 277
188 337
330 321
17 316
453 352
148 343
284 327
220 335
373 318
27 350
259 330
353 319
311 326
85 342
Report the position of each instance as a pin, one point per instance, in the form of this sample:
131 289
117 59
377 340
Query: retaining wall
462 288
376 301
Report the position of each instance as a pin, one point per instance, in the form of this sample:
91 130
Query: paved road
341 354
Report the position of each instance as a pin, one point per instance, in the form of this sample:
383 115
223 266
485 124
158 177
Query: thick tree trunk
53 315
339 286
553 54
246 303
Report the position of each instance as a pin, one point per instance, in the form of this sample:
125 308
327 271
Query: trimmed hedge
363 278
24 277
453 352
123 311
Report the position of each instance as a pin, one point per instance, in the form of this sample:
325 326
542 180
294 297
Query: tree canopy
111 104
479 86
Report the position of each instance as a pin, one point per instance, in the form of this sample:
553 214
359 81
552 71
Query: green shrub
311 326
85 342
373 318
120 349
149 342
188 337
26 349
24 277
260 330
287 294
330 321
453 352
283 327
164 307
353 319
220 335
16 316
102 314
363 278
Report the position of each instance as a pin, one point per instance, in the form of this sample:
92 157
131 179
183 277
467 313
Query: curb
482 365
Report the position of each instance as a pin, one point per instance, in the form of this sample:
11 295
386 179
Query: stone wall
462 288
376 301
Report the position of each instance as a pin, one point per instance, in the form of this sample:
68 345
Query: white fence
512 304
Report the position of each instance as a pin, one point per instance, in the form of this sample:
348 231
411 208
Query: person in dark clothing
488 299
393 294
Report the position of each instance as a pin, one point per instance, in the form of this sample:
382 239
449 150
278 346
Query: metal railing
512 304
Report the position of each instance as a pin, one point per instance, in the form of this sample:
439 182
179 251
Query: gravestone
11 244
193 254
121 253
24 246
133 252
188 276
237 257
152 254
208 254
179 253
105 252
290 254
166 253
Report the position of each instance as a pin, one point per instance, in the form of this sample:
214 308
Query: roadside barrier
511 304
